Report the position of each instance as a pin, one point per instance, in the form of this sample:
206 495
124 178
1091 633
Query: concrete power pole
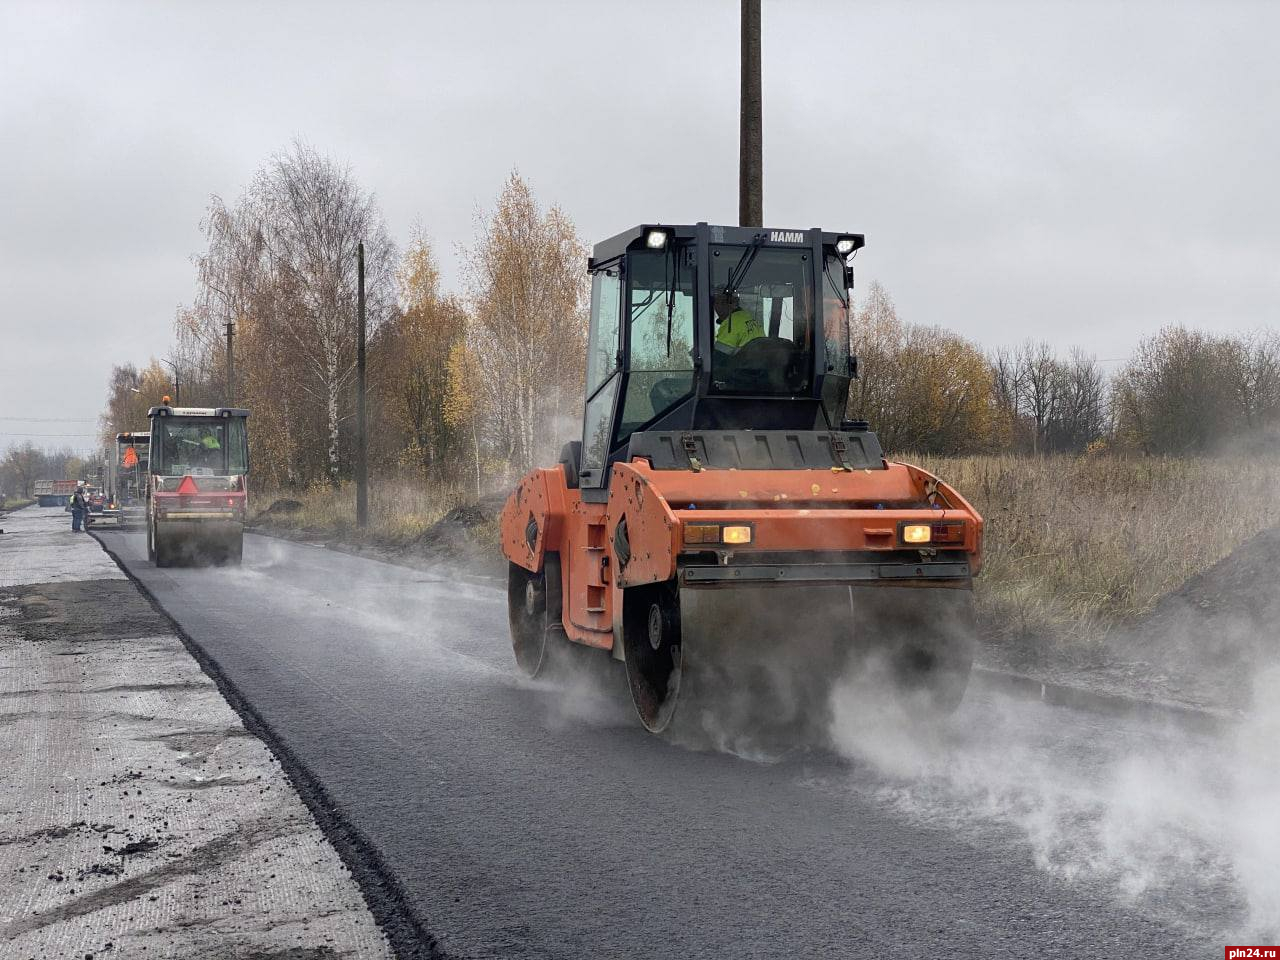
362 440
751 156
231 363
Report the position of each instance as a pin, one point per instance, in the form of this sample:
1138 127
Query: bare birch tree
281 264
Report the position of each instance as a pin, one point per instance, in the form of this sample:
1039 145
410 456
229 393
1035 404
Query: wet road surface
519 819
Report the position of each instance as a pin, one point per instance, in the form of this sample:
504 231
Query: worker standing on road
79 507
737 326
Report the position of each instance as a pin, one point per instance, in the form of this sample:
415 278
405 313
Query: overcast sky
1079 173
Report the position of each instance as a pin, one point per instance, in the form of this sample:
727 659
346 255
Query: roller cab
132 474
197 488
720 526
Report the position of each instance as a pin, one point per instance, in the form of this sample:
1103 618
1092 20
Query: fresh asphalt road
526 820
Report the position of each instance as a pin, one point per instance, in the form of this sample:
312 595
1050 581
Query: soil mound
281 508
1220 627
467 534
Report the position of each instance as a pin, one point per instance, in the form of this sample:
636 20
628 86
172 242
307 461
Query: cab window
202 448
659 336
835 316
763 320
602 350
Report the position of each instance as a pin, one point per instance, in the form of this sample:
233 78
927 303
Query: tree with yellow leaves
410 366
526 285
924 389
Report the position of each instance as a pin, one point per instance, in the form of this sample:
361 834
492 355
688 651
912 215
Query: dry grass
400 511
1076 545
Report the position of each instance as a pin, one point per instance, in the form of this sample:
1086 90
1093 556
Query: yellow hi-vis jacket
739 329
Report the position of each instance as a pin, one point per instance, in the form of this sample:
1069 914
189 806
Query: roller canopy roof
197 412
616 246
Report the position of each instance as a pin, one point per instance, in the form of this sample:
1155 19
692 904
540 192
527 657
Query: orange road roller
721 527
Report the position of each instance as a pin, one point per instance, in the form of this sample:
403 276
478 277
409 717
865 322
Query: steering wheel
767 364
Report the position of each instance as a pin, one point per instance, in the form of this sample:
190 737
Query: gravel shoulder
138 816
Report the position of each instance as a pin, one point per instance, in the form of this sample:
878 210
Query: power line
6 434
53 419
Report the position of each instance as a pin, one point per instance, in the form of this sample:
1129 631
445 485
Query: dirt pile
467 535
280 508
1216 631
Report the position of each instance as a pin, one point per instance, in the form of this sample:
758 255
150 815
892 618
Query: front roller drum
164 547
232 554
759 665
738 664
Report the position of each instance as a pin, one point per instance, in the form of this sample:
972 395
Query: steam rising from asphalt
1177 822
1173 821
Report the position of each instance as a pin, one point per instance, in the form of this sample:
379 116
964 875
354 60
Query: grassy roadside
14 503
430 522
1075 547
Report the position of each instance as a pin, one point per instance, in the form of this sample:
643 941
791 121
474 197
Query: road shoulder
139 815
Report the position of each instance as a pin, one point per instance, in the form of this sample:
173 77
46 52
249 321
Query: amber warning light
715 533
917 533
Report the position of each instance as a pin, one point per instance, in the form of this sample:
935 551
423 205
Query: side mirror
848 276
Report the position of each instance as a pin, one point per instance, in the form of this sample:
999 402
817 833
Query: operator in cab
737 326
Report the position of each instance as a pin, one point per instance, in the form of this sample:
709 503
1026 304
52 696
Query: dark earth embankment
1202 646
1210 637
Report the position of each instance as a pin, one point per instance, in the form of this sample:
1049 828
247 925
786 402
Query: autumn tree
924 389
22 466
130 394
526 286
1046 403
411 371
1187 392
281 264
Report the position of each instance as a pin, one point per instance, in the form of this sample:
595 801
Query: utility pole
751 155
231 363
177 385
362 440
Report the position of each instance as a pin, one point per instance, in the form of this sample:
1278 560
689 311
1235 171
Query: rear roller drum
533 608
654 655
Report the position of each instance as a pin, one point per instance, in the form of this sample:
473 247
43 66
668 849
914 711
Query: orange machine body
835 525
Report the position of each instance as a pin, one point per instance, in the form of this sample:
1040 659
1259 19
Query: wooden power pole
362 440
231 363
751 156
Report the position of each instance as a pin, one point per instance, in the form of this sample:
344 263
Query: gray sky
1080 173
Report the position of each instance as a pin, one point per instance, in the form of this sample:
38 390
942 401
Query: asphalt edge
1114 704
383 896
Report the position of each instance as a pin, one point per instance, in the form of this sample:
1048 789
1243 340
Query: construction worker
79 507
737 326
